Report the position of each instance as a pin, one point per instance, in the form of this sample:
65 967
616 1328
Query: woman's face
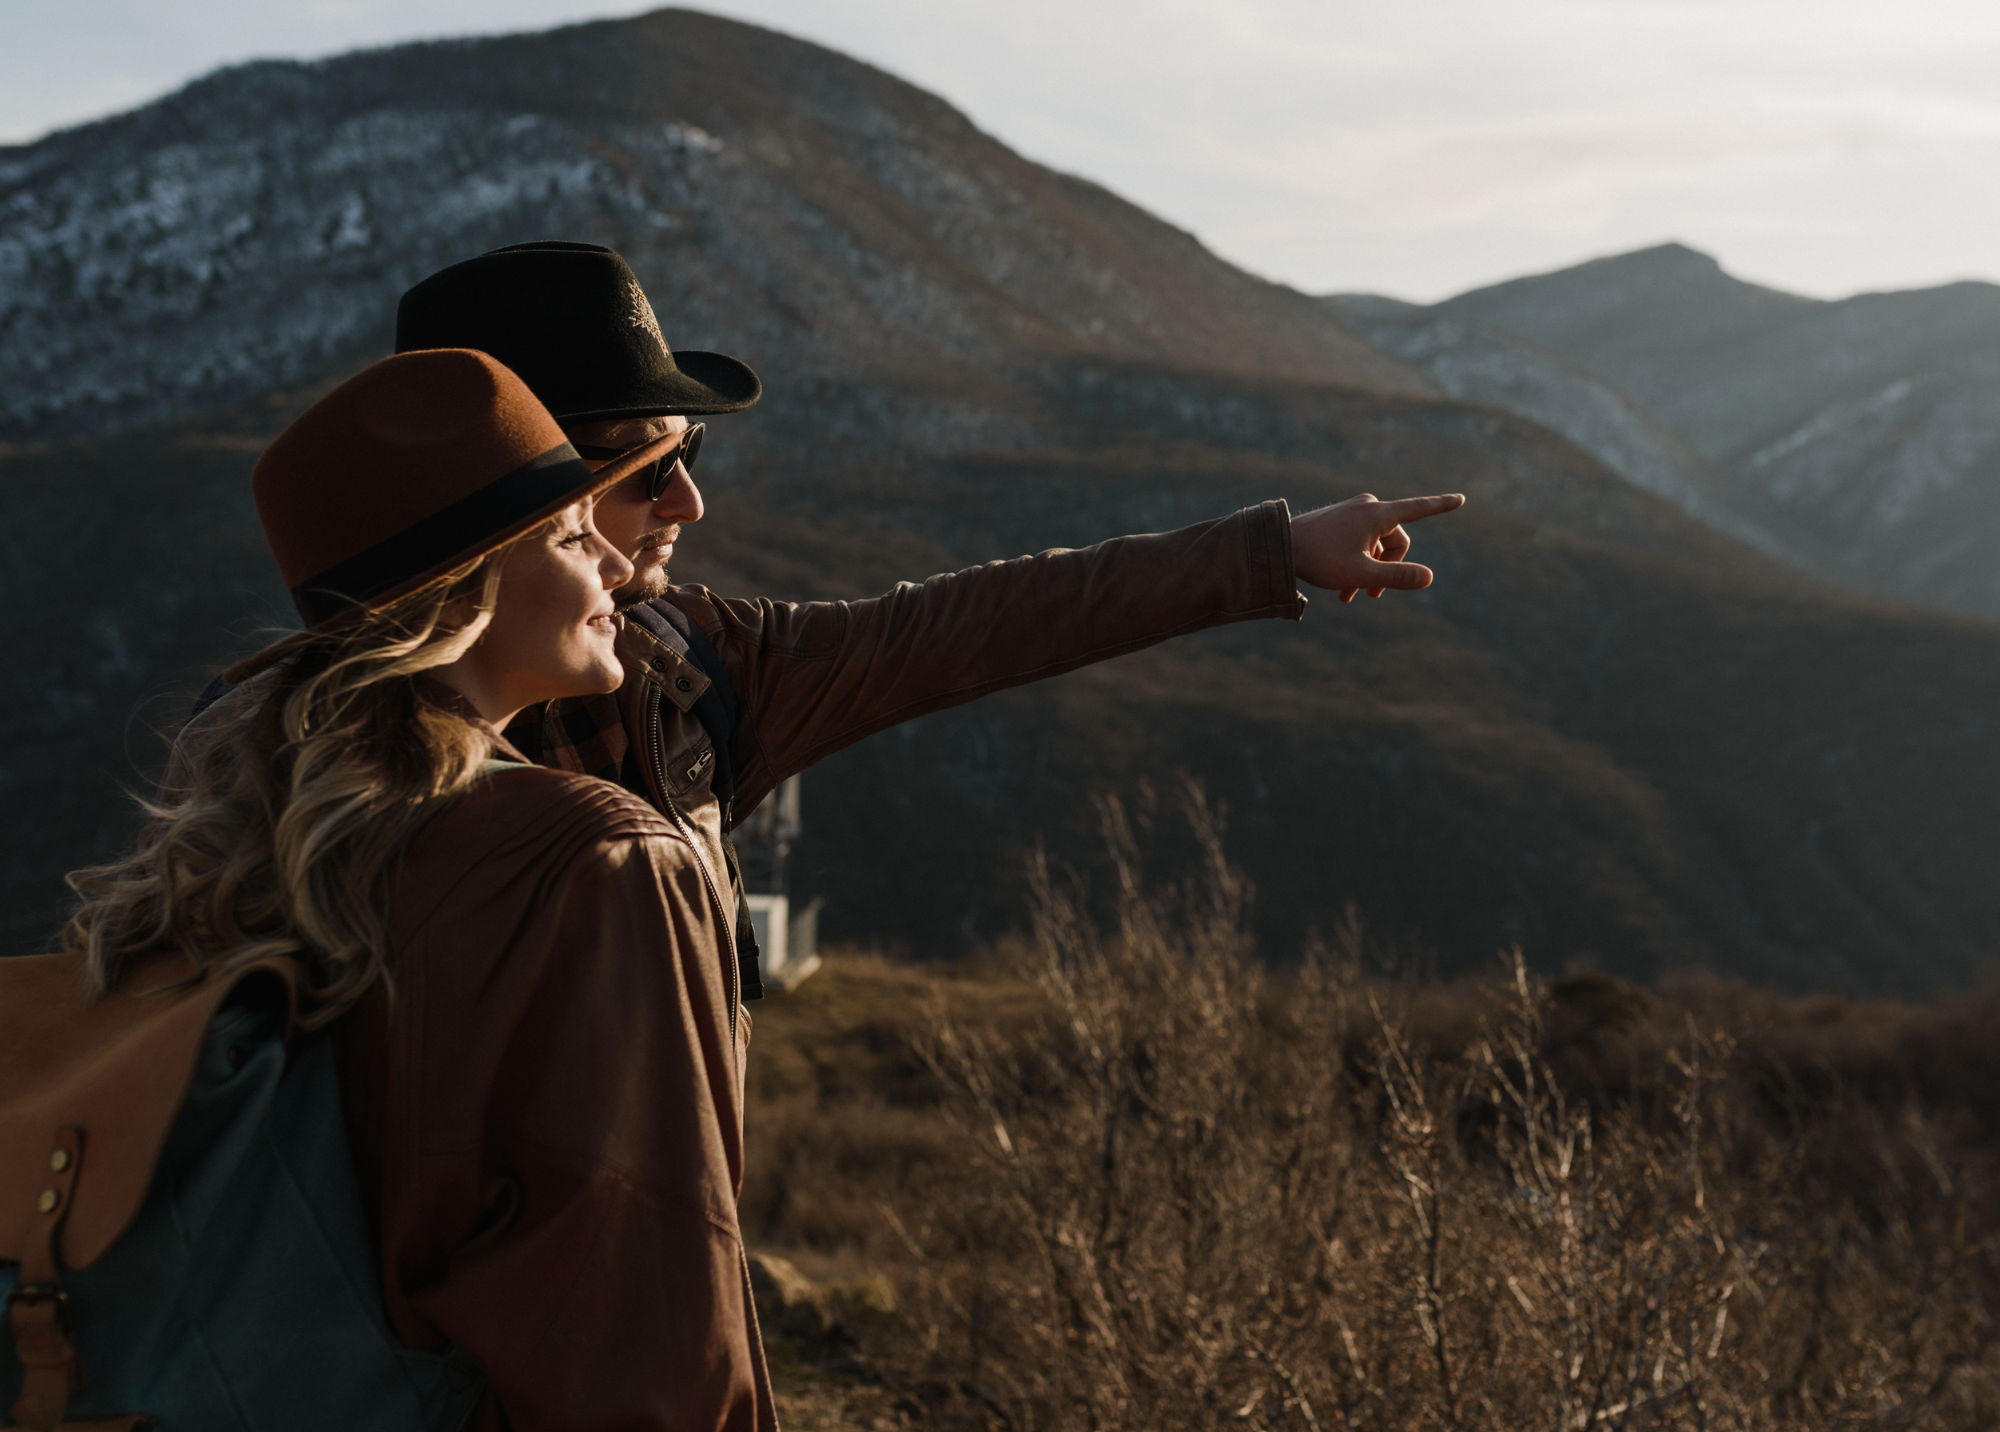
552 628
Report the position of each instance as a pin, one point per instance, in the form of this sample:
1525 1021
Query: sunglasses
660 476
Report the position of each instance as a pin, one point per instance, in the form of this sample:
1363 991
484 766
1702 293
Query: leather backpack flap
105 1077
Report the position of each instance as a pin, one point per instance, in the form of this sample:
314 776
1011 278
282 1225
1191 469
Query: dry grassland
1122 1175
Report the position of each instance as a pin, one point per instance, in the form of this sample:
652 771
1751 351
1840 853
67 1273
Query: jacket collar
658 660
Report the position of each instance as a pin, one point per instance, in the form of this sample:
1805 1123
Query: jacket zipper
694 844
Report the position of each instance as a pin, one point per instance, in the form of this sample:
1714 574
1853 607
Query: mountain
1610 732
1862 436
1479 363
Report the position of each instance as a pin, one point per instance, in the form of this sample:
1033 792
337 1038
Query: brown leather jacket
548 1112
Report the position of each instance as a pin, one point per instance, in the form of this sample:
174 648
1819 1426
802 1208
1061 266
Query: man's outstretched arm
815 677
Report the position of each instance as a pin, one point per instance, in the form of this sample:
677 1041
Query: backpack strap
38 1308
87 1079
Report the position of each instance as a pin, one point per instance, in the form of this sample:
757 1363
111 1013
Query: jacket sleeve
588 1190
814 677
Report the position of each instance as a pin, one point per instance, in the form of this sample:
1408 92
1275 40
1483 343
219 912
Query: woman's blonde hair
287 803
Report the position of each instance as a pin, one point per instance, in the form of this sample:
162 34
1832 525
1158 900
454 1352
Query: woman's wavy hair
287 802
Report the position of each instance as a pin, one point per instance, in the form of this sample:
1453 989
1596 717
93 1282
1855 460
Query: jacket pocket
690 769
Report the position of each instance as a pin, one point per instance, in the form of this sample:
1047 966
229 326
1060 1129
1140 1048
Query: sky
1409 147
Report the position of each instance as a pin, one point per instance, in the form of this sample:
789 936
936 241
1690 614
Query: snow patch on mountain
142 283
1892 457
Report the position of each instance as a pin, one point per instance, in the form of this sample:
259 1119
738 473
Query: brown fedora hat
404 473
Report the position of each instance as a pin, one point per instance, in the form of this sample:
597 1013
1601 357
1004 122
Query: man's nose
681 502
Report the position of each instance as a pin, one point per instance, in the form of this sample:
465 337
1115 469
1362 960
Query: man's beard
650 587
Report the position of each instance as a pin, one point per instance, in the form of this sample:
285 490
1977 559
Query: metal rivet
682 683
658 663
59 1160
48 1201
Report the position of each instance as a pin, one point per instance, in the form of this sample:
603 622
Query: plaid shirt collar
584 733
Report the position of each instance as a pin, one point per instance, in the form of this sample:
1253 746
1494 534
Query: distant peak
1671 255
1371 305
1667 272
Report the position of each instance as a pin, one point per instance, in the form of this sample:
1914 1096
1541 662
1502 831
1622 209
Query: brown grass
1123 1176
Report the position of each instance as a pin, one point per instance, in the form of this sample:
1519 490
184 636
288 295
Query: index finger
1415 509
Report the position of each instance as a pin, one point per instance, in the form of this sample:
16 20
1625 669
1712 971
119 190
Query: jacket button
682 683
658 663
59 1160
48 1201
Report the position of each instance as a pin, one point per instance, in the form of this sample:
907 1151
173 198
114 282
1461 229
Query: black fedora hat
573 322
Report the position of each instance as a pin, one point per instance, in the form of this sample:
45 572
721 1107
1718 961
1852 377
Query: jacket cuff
1267 537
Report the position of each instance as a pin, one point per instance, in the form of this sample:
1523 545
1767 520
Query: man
800 681
723 698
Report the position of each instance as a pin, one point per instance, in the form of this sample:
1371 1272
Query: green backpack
182 1239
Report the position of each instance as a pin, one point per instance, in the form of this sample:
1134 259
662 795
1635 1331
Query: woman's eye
575 539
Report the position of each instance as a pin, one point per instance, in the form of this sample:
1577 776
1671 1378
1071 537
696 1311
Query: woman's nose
614 568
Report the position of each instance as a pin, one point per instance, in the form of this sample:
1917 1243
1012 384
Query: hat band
440 541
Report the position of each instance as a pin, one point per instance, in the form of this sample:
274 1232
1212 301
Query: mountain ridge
279 177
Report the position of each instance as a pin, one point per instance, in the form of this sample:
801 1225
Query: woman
543 1091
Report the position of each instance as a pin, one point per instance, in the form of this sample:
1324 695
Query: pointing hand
1359 545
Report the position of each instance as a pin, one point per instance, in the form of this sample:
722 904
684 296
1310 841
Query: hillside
241 234
1861 436
1479 363
1610 732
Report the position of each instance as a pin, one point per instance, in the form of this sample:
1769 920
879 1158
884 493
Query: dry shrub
1203 1195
